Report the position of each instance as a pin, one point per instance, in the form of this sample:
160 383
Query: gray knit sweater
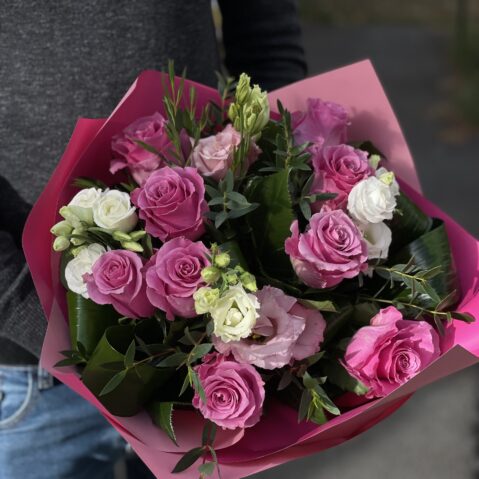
61 59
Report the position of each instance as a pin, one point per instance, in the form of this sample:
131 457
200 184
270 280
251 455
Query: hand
13 210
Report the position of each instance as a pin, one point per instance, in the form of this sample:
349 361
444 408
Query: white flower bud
378 238
61 243
205 299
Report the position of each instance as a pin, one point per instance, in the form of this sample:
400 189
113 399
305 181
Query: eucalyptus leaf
162 415
188 459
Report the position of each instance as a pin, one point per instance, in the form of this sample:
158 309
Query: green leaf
162 415
176 359
430 251
305 401
209 433
88 321
188 459
271 221
113 383
130 355
408 223
326 306
338 375
195 381
199 351
139 383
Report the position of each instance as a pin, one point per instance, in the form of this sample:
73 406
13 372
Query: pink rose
324 123
117 279
330 250
172 203
129 154
390 351
234 392
336 170
284 332
214 155
173 275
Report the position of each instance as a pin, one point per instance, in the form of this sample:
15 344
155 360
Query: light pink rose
214 155
129 154
284 332
173 275
336 170
324 123
330 250
390 351
234 392
117 279
172 203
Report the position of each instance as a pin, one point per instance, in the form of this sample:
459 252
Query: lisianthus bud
61 243
374 161
78 241
205 299
137 235
211 274
62 228
132 246
250 111
248 281
387 178
120 236
222 260
243 89
231 277
70 217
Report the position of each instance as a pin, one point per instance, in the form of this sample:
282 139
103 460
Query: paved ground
435 435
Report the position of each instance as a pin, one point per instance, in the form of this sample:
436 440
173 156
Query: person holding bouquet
59 61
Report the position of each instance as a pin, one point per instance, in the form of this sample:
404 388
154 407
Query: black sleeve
21 318
263 38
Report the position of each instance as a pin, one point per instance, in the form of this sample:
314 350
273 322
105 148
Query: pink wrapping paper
278 438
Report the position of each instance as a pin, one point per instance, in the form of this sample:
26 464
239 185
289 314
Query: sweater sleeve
21 317
263 39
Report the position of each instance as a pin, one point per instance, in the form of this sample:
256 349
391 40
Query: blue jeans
49 432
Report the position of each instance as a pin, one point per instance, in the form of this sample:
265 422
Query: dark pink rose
172 203
129 154
336 170
173 275
330 250
117 279
324 123
390 351
234 392
284 332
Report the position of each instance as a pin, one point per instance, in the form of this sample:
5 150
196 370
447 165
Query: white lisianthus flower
82 203
373 199
205 299
234 314
378 238
113 211
80 265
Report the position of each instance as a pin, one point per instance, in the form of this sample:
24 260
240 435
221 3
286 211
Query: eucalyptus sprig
225 203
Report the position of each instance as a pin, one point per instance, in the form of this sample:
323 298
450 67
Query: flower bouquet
240 279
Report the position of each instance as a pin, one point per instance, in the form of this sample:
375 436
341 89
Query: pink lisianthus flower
324 123
129 154
330 250
336 170
234 392
117 279
172 203
390 351
284 332
173 275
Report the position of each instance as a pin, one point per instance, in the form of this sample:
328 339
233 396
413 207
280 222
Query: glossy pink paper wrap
278 438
